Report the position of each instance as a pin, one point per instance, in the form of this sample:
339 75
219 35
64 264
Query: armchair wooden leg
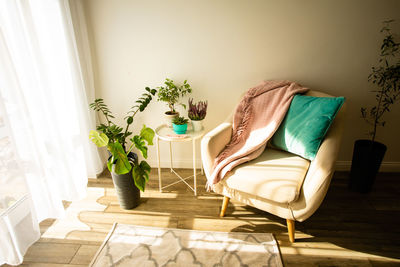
290 227
225 203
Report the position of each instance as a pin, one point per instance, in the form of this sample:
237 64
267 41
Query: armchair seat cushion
275 175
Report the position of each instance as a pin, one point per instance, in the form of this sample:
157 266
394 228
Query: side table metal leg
194 168
170 155
158 162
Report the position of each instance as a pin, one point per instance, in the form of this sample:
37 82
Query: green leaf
110 163
119 158
100 139
139 143
147 134
140 174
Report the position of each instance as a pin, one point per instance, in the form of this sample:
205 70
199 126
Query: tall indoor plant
128 173
171 93
368 154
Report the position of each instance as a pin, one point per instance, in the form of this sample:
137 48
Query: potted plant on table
129 174
368 154
170 93
197 112
179 125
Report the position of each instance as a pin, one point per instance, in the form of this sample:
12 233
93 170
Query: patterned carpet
129 245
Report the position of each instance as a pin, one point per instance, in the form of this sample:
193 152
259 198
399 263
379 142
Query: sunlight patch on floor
330 250
71 221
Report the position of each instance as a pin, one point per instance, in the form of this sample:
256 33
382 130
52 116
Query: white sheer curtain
44 87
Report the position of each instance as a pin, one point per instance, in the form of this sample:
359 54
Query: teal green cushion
305 124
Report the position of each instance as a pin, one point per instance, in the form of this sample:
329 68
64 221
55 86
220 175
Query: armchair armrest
213 143
320 172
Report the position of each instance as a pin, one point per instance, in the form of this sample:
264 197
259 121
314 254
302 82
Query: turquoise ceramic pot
179 129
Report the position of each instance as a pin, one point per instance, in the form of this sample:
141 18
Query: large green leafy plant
171 93
114 137
386 76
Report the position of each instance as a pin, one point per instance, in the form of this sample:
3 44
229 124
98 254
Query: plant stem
130 149
105 116
377 114
127 126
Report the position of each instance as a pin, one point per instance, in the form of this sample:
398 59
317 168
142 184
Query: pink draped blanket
257 117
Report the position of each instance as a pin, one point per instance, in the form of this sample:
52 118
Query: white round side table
165 133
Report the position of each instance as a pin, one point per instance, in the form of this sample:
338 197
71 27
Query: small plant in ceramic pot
179 125
197 112
171 93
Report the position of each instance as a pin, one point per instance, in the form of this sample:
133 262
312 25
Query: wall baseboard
386 166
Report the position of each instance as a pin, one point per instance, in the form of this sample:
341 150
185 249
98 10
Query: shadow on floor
366 223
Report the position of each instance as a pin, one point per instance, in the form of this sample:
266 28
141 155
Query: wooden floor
349 229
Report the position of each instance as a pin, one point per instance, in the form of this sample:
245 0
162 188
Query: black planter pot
127 193
367 158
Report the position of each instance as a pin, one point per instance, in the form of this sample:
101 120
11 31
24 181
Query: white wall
226 47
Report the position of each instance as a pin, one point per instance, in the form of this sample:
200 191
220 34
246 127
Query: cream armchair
278 182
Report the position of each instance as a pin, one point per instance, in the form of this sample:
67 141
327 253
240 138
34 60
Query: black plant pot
127 193
367 159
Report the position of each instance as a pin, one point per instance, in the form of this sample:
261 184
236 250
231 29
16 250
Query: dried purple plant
197 111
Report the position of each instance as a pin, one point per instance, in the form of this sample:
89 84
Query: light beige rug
130 245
